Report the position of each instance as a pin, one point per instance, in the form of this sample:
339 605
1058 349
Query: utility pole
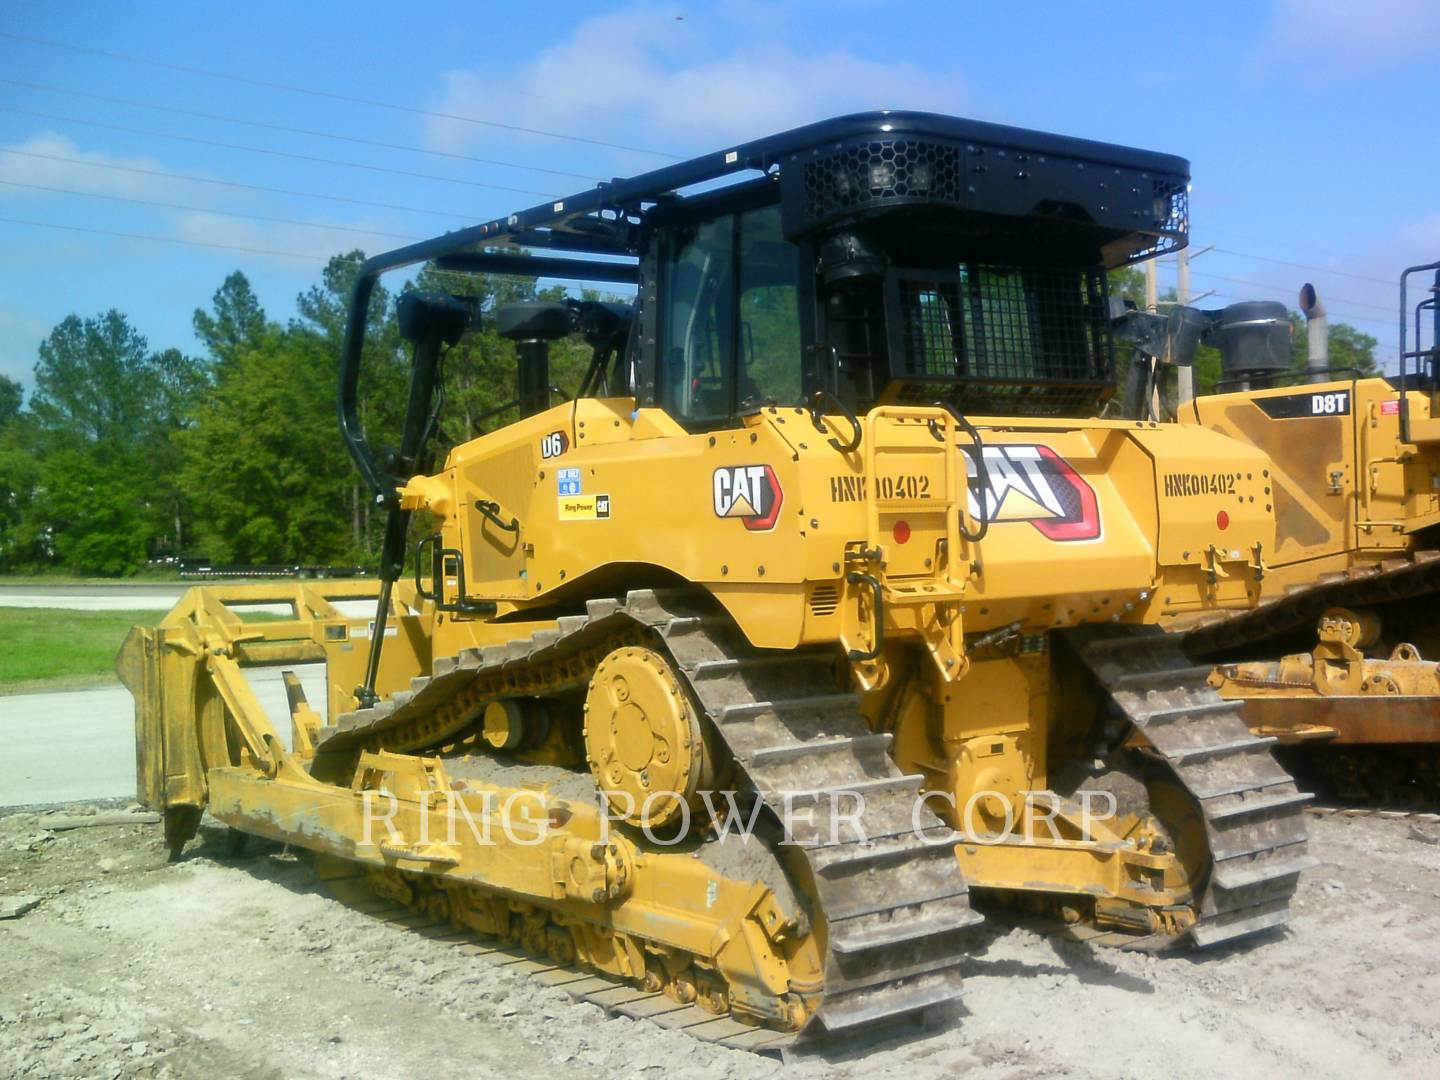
1185 376
1150 293
1184 373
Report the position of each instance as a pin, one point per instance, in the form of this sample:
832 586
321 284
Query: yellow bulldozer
1354 575
825 605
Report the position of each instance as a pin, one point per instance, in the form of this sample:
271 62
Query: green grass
59 649
51 648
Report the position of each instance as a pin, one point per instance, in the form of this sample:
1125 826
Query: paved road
138 597
141 596
80 744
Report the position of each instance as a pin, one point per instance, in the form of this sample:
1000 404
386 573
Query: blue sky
1303 122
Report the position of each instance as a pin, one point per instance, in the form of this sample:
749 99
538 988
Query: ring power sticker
584 507
567 481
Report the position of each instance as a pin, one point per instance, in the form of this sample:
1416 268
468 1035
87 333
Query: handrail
1406 354
877 599
982 474
817 401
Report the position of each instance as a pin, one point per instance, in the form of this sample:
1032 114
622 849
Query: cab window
731 327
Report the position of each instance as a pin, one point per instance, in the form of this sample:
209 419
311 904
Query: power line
448 214
1304 266
1300 245
173 240
274 153
294 130
327 94
234 247
1259 285
409 238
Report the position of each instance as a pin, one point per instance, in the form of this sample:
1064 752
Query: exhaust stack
1317 344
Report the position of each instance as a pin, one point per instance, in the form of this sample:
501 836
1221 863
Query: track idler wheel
644 738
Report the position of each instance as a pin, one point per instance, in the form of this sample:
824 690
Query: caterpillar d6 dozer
829 540
1355 479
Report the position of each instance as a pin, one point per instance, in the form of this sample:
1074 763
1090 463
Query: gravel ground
243 967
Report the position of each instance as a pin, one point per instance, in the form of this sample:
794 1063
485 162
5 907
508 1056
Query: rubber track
1408 576
1253 811
893 901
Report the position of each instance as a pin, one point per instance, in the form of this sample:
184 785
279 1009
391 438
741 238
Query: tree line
123 455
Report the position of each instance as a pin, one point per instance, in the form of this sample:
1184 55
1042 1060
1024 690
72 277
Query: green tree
235 320
267 475
1350 350
1128 283
12 397
104 412
92 380
19 478
96 522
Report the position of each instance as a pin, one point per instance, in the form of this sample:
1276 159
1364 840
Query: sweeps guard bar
447 252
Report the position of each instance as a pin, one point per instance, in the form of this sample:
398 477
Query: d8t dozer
1356 564
828 540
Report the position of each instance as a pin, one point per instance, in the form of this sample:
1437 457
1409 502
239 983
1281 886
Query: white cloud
49 160
46 164
685 84
1350 34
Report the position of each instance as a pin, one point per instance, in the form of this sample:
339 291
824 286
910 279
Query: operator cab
908 268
